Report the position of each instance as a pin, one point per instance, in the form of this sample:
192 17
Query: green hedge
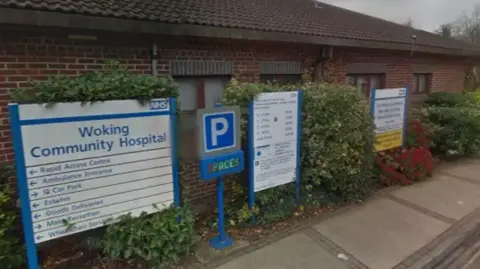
452 122
337 144
11 249
449 99
113 83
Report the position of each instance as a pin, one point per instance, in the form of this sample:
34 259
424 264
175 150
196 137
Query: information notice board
81 166
275 121
389 109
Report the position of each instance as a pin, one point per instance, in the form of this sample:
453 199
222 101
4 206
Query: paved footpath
405 227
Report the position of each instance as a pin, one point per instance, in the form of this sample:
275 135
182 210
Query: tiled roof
305 17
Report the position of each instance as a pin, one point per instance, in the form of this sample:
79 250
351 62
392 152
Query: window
281 79
421 83
365 82
200 92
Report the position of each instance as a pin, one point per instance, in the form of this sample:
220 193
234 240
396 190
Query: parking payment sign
220 153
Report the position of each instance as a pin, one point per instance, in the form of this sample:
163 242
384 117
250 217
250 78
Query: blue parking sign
219 131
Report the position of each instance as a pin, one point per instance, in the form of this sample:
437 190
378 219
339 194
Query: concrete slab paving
469 168
445 195
294 252
381 233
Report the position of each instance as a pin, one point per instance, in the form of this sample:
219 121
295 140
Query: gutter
25 17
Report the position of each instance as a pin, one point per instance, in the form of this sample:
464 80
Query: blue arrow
35 205
34 194
37 216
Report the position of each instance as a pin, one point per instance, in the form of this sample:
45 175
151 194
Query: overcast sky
426 14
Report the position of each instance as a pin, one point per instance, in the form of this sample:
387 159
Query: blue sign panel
219 131
214 167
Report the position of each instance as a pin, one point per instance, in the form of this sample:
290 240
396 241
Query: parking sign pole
221 215
220 155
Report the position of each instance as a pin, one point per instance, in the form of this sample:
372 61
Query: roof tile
287 16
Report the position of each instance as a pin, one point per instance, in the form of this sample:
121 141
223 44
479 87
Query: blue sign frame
373 99
206 165
251 153
16 124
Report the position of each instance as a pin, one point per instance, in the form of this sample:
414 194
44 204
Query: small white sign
275 139
388 108
86 165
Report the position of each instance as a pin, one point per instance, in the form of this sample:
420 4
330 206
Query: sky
427 15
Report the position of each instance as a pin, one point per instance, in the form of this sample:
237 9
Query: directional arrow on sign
39 237
32 172
35 194
37 216
33 183
35 205
38 226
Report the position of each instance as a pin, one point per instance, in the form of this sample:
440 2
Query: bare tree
409 22
467 26
445 30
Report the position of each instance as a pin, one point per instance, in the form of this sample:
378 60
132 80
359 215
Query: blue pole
173 132
222 240
251 162
299 145
26 213
221 215
405 119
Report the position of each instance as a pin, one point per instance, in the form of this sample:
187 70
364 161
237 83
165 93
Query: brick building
203 43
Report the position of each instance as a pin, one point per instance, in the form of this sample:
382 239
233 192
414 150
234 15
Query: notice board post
219 149
80 167
275 122
389 109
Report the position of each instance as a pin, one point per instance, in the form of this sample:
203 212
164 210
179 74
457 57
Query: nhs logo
219 131
158 104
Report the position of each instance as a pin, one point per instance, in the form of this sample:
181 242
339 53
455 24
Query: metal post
221 215
251 162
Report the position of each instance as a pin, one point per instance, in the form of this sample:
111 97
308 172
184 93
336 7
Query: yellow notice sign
388 140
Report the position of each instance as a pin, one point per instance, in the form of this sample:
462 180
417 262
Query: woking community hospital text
102 132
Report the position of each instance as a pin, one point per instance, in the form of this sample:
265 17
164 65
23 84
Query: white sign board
388 108
83 166
275 139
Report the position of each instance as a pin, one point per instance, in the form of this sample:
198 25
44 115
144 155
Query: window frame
356 76
201 90
416 83
265 78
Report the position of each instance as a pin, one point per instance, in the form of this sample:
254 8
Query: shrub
475 95
337 144
454 131
450 99
113 83
11 250
338 141
158 240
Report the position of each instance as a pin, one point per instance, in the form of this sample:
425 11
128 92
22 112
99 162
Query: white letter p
218 132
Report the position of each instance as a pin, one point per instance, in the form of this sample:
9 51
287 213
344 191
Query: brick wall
27 56
448 73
